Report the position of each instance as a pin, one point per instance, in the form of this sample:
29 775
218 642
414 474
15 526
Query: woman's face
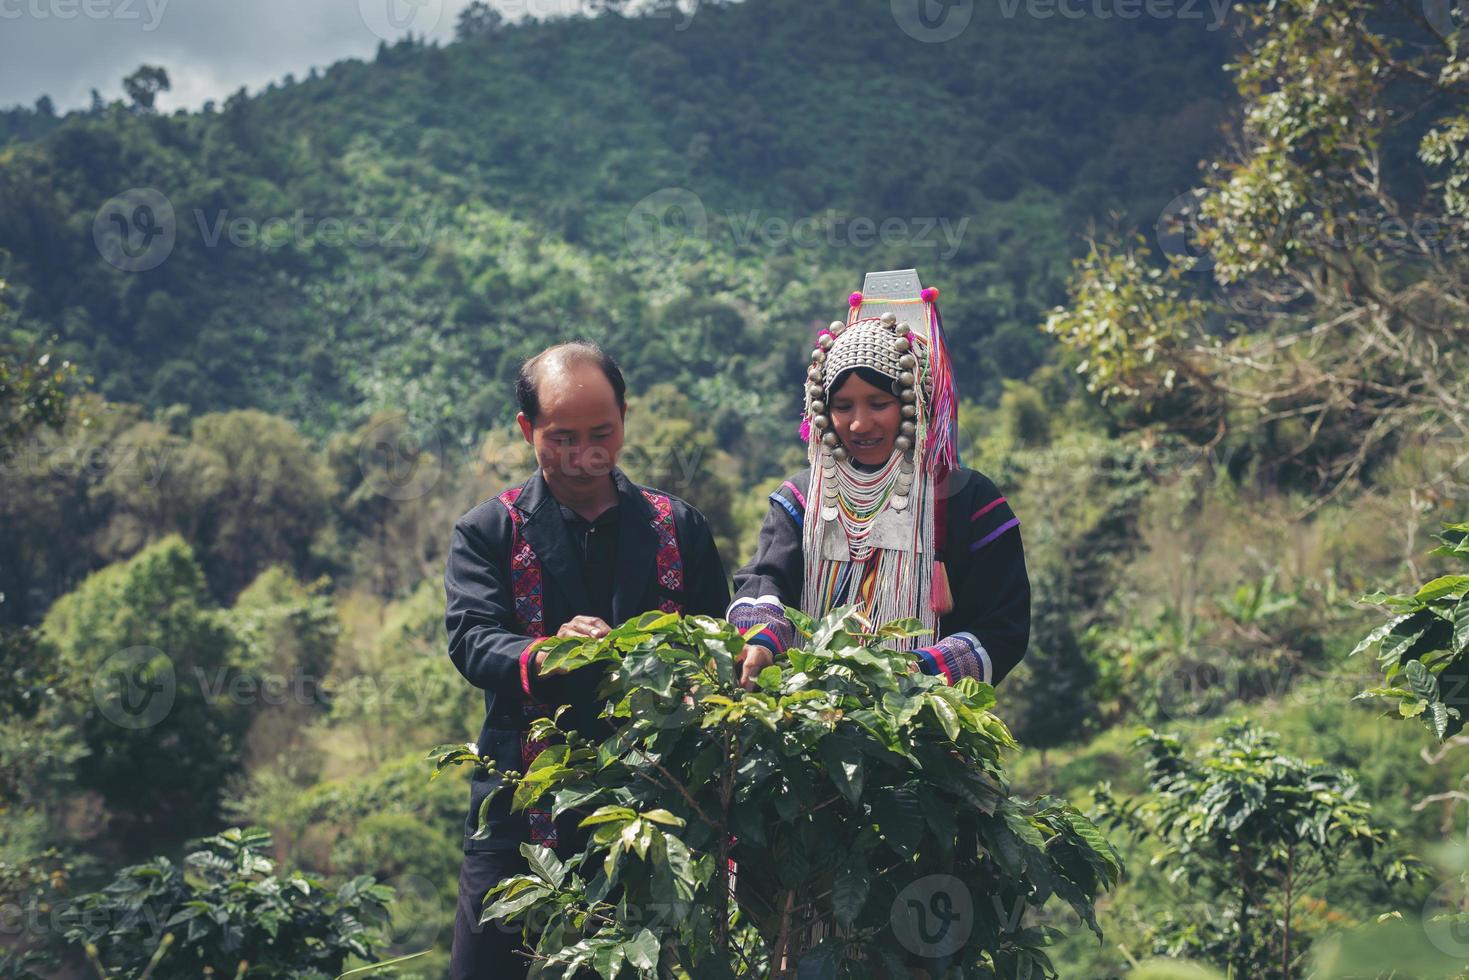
866 419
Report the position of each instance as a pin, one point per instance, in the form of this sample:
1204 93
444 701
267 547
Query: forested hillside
496 183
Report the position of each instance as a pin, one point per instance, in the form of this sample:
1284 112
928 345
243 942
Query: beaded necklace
862 496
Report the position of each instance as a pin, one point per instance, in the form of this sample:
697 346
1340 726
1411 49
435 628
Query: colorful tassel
943 442
941 597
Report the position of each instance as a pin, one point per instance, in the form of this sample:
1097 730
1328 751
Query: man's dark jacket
487 638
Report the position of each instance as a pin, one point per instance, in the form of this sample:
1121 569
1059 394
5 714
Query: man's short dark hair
564 356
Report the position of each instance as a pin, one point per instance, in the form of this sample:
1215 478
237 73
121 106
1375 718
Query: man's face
578 435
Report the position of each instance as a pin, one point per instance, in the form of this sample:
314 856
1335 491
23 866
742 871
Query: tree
288 634
34 384
1251 830
272 500
158 660
668 448
143 86
1317 281
478 20
39 742
806 825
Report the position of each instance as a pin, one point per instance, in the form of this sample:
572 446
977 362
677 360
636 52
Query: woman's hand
583 627
752 659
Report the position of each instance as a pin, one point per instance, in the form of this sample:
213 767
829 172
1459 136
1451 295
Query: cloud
66 48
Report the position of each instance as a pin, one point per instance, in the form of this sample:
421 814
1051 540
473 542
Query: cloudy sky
66 48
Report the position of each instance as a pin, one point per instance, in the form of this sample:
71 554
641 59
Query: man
573 551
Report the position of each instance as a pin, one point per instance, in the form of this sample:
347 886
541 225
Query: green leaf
642 951
844 766
944 711
900 817
1445 586
506 908
1461 626
1378 634
372 967
544 863
849 893
1420 680
609 814
1440 715
664 817
607 961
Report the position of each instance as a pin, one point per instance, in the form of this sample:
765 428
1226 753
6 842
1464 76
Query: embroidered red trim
670 561
526 586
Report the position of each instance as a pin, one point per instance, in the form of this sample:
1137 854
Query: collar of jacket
637 546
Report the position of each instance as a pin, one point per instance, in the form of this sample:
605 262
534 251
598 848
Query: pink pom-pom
805 430
854 300
930 294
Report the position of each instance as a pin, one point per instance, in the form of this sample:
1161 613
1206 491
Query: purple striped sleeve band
799 495
1012 522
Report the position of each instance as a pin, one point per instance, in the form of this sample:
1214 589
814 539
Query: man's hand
583 627
752 659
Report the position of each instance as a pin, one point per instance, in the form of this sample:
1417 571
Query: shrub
225 905
848 817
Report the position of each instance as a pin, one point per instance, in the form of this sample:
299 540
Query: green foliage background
255 473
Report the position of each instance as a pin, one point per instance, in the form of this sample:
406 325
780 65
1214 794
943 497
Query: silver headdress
872 538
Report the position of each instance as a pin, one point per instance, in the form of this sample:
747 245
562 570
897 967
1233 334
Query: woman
885 518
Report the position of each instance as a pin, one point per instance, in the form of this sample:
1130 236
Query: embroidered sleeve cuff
957 656
767 639
767 613
528 671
